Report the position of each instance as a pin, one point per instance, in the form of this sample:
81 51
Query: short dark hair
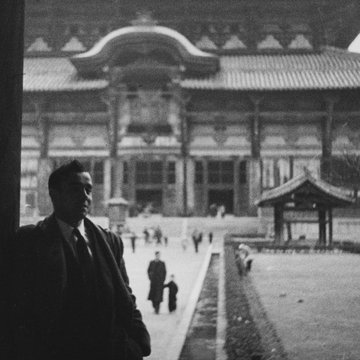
61 173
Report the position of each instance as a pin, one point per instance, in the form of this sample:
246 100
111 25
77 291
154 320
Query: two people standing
157 275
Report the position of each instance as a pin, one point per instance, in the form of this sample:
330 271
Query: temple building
184 104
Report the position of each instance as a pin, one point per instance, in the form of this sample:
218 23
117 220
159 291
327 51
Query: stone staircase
179 226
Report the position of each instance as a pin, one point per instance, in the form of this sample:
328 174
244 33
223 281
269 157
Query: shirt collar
67 230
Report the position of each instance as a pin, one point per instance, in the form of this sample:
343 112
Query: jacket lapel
110 274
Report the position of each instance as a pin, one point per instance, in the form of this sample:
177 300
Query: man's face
72 202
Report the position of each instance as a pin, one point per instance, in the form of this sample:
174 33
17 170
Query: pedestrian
166 240
222 211
146 235
245 257
69 294
195 238
133 238
158 235
211 237
157 274
173 290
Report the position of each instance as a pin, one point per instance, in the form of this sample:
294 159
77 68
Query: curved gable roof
145 38
305 185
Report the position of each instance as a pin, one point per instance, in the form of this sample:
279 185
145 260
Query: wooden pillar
113 131
205 188
255 163
322 226
255 128
184 154
330 220
190 179
279 223
44 165
11 78
327 136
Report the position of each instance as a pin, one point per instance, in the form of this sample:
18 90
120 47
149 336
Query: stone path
165 328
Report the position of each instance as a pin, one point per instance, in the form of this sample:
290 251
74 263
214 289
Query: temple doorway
222 197
149 200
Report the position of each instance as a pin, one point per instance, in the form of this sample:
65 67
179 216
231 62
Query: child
173 289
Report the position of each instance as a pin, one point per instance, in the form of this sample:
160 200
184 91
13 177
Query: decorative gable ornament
206 43
300 42
39 45
234 43
269 43
74 44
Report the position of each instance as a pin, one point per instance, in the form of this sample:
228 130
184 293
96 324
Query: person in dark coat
157 274
196 238
211 235
68 289
133 238
173 290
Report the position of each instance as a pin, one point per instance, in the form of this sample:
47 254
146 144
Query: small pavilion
306 193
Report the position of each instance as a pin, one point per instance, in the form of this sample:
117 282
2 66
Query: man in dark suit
69 293
157 275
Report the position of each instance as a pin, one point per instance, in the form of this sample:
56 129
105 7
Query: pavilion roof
329 69
306 189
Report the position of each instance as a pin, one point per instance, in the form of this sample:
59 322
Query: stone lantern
118 211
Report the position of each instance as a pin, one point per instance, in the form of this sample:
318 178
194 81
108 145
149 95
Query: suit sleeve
137 331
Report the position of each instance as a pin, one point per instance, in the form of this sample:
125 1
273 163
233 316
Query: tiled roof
55 74
329 69
282 193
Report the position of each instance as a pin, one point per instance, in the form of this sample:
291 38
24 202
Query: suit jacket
38 274
157 275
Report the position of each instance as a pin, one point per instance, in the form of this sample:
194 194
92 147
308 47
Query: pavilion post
330 219
322 226
279 223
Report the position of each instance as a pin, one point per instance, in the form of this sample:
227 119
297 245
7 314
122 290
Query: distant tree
345 171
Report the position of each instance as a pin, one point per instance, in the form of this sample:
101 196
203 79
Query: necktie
85 261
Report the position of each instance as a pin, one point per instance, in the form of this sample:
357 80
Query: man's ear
53 193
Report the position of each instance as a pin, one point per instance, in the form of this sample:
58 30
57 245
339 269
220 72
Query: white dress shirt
67 232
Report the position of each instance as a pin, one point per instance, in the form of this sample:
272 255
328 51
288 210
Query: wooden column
255 163
11 78
44 166
279 223
255 128
113 131
327 135
184 154
205 187
322 226
182 100
330 220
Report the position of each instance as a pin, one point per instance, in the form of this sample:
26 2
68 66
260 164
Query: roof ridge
337 50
